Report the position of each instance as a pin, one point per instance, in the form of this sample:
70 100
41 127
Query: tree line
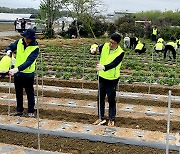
19 10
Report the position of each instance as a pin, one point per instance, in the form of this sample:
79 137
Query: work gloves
100 67
8 52
13 71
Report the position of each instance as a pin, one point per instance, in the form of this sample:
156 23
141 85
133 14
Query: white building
10 17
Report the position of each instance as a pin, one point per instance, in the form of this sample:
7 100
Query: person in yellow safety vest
140 48
159 46
7 62
26 54
160 40
154 33
171 47
93 48
111 56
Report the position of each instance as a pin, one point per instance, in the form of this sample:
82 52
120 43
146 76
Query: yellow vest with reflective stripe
139 46
5 64
22 55
106 58
159 46
154 31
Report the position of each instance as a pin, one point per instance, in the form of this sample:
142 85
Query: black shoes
16 114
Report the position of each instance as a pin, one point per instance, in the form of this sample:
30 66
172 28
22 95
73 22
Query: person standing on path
111 56
15 24
26 54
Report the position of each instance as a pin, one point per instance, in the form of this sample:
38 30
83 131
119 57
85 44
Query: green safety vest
139 46
106 58
159 46
154 31
94 46
22 55
5 64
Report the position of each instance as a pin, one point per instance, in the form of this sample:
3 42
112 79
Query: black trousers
154 37
27 83
169 48
133 42
107 87
143 50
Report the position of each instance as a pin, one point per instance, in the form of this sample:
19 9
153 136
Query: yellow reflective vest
154 31
5 64
94 46
139 46
22 55
172 44
160 40
107 57
159 46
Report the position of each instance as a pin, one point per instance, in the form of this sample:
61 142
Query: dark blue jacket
31 58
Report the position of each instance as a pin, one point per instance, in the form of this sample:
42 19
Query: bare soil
77 146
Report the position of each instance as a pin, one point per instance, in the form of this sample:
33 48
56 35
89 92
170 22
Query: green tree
49 10
82 12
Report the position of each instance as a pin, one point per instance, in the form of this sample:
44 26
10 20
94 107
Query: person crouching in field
140 48
7 62
170 47
159 47
111 56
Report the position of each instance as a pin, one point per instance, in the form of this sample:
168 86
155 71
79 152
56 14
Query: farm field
67 103
6 27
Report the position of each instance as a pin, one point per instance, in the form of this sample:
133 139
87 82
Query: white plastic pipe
37 103
168 123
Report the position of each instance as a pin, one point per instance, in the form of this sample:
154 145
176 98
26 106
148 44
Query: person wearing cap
26 54
111 56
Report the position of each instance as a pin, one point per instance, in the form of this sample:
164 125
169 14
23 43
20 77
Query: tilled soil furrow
137 88
84 95
125 122
71 145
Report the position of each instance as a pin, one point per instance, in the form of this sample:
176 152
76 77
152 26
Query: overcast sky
113 5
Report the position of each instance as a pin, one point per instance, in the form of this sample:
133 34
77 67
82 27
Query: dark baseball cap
29 33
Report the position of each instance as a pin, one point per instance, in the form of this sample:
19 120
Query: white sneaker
99 122
31 115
